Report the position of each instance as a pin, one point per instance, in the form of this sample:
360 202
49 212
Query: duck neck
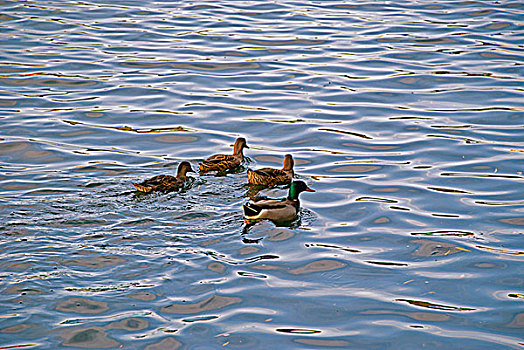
293 193
288 165
181 174
239 152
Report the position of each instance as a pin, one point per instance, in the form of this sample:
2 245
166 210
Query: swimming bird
278 210
166 183
272 177
221 162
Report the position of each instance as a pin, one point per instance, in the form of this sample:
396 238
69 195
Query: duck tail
141 188
251 177
251 210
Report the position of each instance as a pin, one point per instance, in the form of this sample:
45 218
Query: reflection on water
212 303
93 337
406 118
81 305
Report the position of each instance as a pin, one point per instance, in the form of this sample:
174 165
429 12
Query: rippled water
406 117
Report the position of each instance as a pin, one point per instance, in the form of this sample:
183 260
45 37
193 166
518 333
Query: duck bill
310 189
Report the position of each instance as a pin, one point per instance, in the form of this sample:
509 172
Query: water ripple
405 117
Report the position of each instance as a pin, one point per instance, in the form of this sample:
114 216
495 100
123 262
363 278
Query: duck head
239 146
288 163
296 188
184 168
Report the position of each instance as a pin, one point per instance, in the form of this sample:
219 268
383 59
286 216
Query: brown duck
166 183
222 162
273 177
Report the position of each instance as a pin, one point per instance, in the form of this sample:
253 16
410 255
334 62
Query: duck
273 177
166 183
222 162
278 210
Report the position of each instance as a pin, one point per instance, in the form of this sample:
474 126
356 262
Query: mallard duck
166 183
278 210
221 162
272 177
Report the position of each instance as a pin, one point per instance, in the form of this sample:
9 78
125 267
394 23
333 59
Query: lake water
405 116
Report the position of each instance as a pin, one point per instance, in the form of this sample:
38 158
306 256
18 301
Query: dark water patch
176 139
373 147
329 246
217 267
318 266
214 302
375 199
129 324
440 215
517 322
23 289
145 296
80 222
202 7
194 66
482 175
355 168
277 235
500 203
17 266
92 337
82 306
138 222
167 343
199 319
95 262
251 274
163 138
395 207
347 133
297 330
448 190
497 251
120 287
517 221
430 305
445 233
304 42
419 316
47 82
432 248
16 328
387 263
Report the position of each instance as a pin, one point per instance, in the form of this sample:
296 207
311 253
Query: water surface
406 117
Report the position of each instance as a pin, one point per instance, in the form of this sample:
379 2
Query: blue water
405 116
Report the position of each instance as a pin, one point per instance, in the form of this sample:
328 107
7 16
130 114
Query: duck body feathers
166 183
223 162
273 177
272 209
269 177
277 210
220 162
